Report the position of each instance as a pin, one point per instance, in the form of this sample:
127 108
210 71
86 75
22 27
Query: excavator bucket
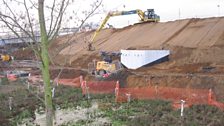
90 47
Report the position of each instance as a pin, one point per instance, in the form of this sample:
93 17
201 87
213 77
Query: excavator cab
150 15
108 56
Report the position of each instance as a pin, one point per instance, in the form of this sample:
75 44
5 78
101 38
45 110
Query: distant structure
89 26
10 39
2 42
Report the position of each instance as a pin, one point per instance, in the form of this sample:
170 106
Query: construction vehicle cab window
145 16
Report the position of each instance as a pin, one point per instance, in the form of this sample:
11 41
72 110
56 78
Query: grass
68 97
152 113
129 113
23 106
22 115
134 113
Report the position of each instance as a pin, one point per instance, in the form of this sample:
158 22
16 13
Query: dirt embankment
203 36
196 47
24 54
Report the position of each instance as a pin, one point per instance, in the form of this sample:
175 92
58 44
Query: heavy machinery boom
147 16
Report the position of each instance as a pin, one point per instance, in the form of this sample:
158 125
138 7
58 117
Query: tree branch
33 5
52 17
57 25
62 10
18 26
8 24
16 22
28 16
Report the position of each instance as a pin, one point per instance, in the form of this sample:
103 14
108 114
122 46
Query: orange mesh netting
191 96
100 87
195 96
76 82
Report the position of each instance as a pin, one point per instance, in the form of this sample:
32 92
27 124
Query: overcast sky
167 9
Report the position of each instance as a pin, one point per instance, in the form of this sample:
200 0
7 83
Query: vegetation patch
107 112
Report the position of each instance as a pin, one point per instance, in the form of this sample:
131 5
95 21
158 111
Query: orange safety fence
34 79
212 100
191 96
76 82
12 77
99 87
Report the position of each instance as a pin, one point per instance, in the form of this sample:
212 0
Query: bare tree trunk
45 65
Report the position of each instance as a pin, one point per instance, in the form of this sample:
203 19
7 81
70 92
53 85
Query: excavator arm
151 17
141 14
110 14
90 47
101 27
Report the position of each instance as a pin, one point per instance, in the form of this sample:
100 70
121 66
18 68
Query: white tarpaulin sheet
134 59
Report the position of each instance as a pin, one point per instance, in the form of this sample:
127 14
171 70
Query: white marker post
28 85
128 97
53 91
39 89
182 107
56 81
10 103
87 91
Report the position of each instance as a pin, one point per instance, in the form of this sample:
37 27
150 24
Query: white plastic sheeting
134 59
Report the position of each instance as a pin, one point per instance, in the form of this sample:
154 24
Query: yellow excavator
5 58
107 66
147 16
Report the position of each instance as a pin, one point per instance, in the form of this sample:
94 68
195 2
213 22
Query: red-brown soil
196 59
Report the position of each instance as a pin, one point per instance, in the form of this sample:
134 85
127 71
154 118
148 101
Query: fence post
182 107
56 81
117 91
10 103
53 92
87 91
128 97
81 79
39 89
210 96
156 89
28 84
83 86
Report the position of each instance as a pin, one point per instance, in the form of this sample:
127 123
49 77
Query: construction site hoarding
134 59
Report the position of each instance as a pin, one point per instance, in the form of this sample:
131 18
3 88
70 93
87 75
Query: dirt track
196 48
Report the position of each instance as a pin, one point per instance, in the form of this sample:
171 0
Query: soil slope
196 47
201 34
